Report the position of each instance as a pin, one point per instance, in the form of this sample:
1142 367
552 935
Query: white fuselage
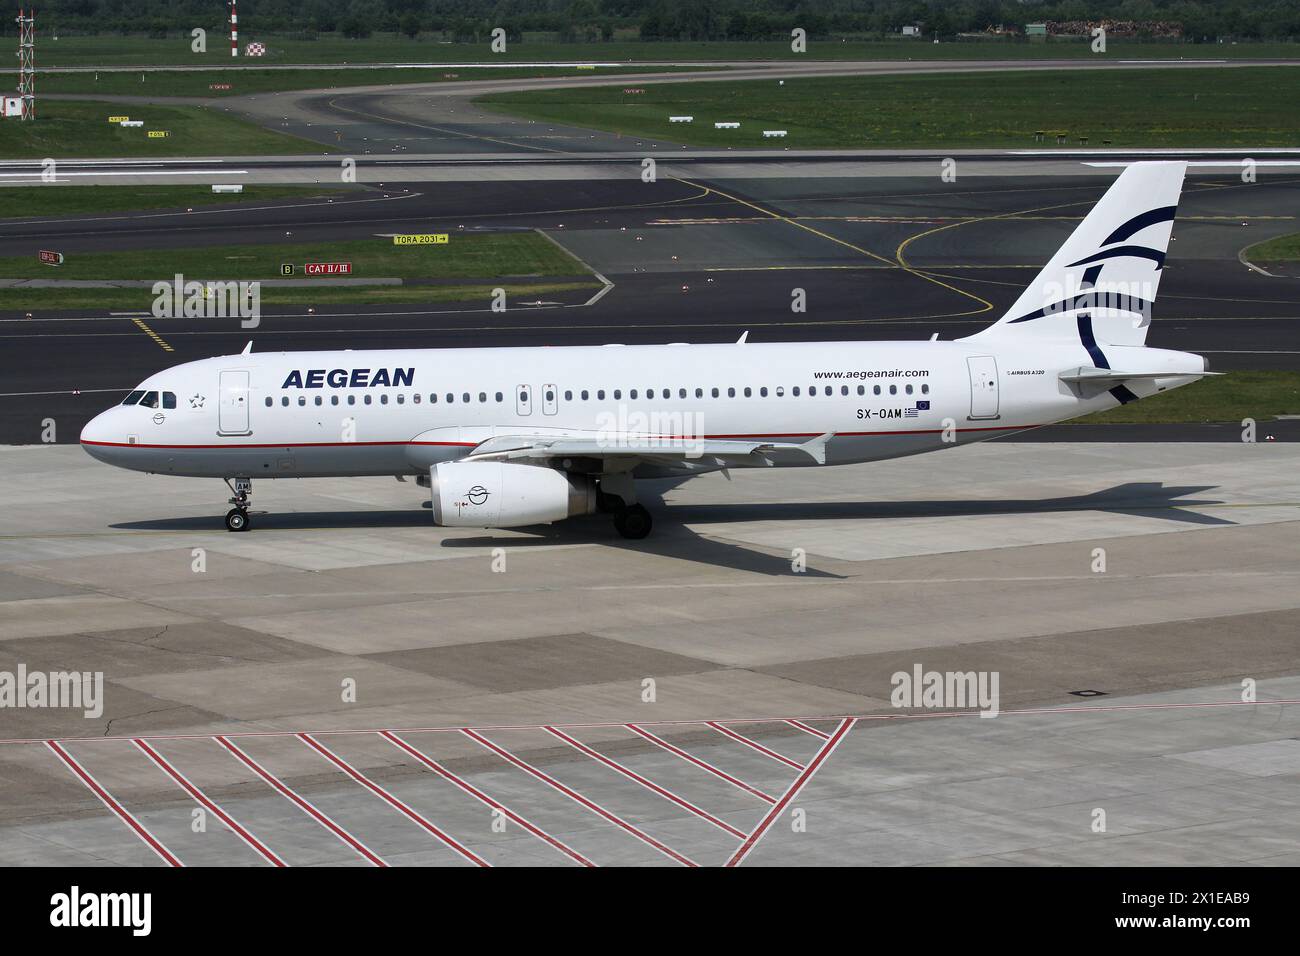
320 414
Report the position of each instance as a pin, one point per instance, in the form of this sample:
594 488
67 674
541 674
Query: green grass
251 80
1252 106
1219 398
1281 249
103 300
115 50
34 202
473 256
67 129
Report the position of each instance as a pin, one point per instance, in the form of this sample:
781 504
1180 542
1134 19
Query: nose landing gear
241 492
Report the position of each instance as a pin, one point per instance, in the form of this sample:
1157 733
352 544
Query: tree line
590 20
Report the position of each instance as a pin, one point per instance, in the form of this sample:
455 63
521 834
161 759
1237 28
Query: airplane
512 437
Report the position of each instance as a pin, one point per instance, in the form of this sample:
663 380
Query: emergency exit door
983 386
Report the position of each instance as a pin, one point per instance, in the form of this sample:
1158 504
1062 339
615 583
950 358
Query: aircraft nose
99 436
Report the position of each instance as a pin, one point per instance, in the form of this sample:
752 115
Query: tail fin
1101 285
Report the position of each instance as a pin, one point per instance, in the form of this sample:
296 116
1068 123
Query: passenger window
762 392
568 395
795 391
875 390
714 393
909 389
433 398
319 401
415 399
699 393
893 390
133 398
829 390
268 401
366 400
618 393
285 401
631 394
731 393
334 399
401 400
150 400
844 390
482 396
450 398
302 400
780 391
169 399
600 395
584 394
352 399
862 389
925 389
465 397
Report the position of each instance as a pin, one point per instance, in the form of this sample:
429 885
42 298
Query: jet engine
498 494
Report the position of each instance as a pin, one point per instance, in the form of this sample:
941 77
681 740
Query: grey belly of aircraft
399 458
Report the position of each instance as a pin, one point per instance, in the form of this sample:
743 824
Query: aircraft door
983 386
550 400
524 399
232 406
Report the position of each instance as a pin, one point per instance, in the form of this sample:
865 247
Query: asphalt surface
690 260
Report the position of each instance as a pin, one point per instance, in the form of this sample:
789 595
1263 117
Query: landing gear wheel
633 522
236 519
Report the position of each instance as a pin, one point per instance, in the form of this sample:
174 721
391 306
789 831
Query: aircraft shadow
673 539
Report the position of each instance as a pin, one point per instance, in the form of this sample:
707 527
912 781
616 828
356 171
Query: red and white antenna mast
234 30
27 63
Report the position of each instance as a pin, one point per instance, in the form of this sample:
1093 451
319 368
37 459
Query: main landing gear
241 492
633 522
618 497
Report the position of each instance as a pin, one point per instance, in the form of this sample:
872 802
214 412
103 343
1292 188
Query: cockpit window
150 400
169 399
133 398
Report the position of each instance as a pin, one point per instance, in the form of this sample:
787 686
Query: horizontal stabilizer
1102 376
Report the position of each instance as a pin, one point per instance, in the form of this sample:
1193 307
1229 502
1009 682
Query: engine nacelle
498 494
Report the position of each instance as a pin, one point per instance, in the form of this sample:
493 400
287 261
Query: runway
690 259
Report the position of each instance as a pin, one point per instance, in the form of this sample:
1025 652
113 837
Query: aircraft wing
647 447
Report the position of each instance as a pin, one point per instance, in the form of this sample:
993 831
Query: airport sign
50 257
327 268
436 239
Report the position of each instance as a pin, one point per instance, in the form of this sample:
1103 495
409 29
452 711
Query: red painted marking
483 797
808 730
827 748
645 782
202 799
755 745
301 803
578 798
703 765
379 791
106 798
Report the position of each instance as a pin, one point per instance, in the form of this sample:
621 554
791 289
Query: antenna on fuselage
744 337
248 349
